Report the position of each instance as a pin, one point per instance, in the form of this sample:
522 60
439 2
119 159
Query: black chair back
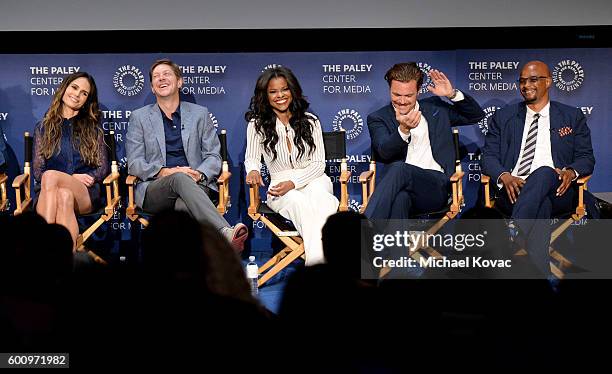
456 141
28 146
223 141
112 145
335 145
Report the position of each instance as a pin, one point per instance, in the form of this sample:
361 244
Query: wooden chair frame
3 198
111 184
368 183
294 244
563 263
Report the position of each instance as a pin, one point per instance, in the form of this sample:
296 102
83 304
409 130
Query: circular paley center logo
343 117
568 75
213 119
425 68
128 80
483 124
354 205
265 173
270 66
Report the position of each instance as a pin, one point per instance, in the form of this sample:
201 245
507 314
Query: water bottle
252 273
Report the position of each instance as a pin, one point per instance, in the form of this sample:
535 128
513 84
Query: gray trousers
180 192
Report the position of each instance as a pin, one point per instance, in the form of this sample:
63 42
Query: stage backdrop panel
342 87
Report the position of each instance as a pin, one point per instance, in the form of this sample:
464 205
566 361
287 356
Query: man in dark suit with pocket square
533 152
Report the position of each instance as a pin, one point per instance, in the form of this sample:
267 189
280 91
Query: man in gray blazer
173 148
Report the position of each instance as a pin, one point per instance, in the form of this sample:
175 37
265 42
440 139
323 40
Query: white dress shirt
305 168
419 147
543 152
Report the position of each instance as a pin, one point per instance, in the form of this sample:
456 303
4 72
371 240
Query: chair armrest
224 197
583 180
345 176
582 186
130 210
366 176
456 177
485 180
131 180
225 176
20 180
254 199
111 177
3 178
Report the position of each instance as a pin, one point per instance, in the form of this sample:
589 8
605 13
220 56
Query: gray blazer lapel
186 126
157 125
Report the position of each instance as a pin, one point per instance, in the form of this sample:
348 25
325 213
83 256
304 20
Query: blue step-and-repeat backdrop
342 87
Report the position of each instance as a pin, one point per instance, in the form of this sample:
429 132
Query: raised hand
441 85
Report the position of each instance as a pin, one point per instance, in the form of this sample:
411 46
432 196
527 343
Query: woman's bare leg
71 197
46 205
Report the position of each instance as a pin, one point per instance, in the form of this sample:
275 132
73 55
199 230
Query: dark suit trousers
407 190
536 205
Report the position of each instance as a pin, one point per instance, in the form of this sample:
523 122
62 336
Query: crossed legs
61 197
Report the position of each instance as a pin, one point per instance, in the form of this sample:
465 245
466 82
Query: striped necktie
529 148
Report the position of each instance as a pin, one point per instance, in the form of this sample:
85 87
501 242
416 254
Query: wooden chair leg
275 259
564 263
282 264
556 271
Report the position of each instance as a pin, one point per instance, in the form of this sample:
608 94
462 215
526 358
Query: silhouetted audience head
36 257
177 249
341 236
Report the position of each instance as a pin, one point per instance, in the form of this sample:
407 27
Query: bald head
534 83
538 66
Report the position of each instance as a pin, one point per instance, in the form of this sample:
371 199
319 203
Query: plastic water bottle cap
251 258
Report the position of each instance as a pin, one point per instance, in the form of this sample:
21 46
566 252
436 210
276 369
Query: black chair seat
278 220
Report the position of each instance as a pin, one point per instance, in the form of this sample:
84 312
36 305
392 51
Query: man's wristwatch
202 178
454 94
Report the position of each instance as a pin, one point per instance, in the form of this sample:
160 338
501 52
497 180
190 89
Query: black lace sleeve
39 164
103 170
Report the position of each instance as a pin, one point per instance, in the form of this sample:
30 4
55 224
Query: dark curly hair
261 112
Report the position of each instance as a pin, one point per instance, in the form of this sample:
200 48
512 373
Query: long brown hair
84 125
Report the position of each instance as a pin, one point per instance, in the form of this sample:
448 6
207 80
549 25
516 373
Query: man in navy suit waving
533 151
414 137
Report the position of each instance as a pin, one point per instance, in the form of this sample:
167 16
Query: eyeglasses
530 79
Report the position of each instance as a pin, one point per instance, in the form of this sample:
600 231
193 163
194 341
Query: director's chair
567 219
335 149
21 184
453 208
135 213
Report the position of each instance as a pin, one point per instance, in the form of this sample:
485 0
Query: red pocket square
565 130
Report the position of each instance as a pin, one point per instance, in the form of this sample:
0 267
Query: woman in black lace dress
70 157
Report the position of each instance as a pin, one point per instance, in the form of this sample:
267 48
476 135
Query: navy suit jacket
503 140
388 146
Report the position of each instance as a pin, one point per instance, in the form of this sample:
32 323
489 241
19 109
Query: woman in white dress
291 142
